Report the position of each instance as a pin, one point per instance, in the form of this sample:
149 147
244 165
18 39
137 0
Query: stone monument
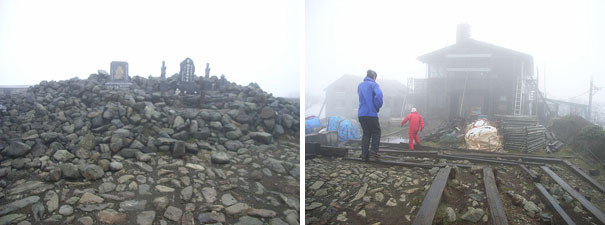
186 82
207 85
163 85
118 75
187 71
207 71
163 74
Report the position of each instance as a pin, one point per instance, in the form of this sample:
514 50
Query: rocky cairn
81 152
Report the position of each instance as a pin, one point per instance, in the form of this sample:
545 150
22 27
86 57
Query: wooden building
474 78
342 99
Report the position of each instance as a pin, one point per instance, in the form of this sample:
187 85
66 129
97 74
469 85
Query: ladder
409 90
518 96
539 97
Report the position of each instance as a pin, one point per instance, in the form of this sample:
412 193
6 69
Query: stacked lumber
522 133
553 144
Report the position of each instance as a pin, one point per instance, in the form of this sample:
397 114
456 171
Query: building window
437 70
473 66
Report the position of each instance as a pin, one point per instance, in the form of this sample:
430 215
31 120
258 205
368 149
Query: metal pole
590 100
462 98
405 99
321 109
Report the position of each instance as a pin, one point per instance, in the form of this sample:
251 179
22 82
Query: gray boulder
91 172
220 157
70 170
267 113
262 137
63 155
48 137
88 142
17 149
129 152
178 149
233 145
473 215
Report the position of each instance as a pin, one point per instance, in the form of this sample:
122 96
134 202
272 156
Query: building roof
350 82
469 44
567 103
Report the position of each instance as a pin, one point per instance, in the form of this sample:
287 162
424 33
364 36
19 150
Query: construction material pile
480 135
522 133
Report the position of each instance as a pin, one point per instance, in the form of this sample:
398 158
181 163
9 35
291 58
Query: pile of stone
82 138
90 119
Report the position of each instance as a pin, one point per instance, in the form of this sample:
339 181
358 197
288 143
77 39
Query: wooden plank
596 212
496 207
432 199
586 177
312 148
554 204
534 177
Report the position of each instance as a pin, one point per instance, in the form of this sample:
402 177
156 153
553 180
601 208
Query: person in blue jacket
370 101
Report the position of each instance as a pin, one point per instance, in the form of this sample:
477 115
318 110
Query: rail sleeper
587 204
432 199
493 198
553 203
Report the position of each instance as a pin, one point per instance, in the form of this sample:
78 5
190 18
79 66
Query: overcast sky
248 41
350 37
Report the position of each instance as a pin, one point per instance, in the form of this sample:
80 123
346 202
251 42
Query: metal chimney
463 32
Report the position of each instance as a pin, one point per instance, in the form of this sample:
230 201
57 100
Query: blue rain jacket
370 98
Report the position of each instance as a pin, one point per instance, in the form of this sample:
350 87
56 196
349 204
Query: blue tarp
345 128
333 122
348 131
311 123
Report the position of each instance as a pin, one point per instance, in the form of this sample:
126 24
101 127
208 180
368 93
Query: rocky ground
78 152
351 192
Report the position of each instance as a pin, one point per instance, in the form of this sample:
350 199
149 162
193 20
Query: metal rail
406 164
534 177
585 176
477 159
490 159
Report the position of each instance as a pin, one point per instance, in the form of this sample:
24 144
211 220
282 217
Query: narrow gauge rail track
497 213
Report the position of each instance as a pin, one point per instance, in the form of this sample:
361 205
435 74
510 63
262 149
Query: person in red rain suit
416 124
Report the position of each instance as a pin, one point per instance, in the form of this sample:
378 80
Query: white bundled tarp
482 136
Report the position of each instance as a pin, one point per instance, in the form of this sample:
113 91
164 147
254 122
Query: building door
454 108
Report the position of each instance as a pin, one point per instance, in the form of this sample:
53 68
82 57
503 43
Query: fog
350 37
247 41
